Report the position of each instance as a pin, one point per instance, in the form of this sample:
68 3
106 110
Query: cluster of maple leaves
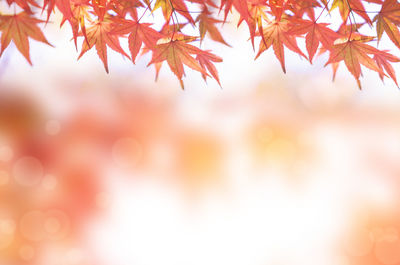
277 23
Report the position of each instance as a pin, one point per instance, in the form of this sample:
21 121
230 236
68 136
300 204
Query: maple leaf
354 52
278 22
77 21
18 28
64 6
383 59
278 7
299 8
124 7
99 35
277 35
170 6
240 5
24 4
348 6
388 19
207 25
177 52
205 59
316 33
139 33
170 30
347 30
205 3
257 10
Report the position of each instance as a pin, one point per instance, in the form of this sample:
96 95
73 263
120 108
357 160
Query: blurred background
117 169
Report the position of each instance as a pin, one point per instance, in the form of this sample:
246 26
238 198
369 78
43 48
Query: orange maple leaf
383 59
123 7
64 6
24 4
207 25
316 33
78 18
354 52
177 52
205 59
139 33
277 35
387 20
99 35
278 7
240 5
170 6
18 28
348 6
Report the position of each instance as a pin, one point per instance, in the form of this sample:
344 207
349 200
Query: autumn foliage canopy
179 27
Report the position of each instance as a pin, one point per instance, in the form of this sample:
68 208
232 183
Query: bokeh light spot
4 177
52 225
6 153
31 225
57 224
7 226
28 171
282 148
53 127
127 152
49 182
7 230
27 252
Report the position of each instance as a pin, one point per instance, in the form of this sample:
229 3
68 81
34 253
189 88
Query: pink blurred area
271 169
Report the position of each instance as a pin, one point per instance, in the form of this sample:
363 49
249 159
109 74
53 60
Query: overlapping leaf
207 25
170 6
18 28
277 35
355 52
315 34
383 60
348 6
388 21
279 24
178 52
139 33
206 60
99 36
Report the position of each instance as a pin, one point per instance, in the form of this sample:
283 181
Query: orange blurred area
109 170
